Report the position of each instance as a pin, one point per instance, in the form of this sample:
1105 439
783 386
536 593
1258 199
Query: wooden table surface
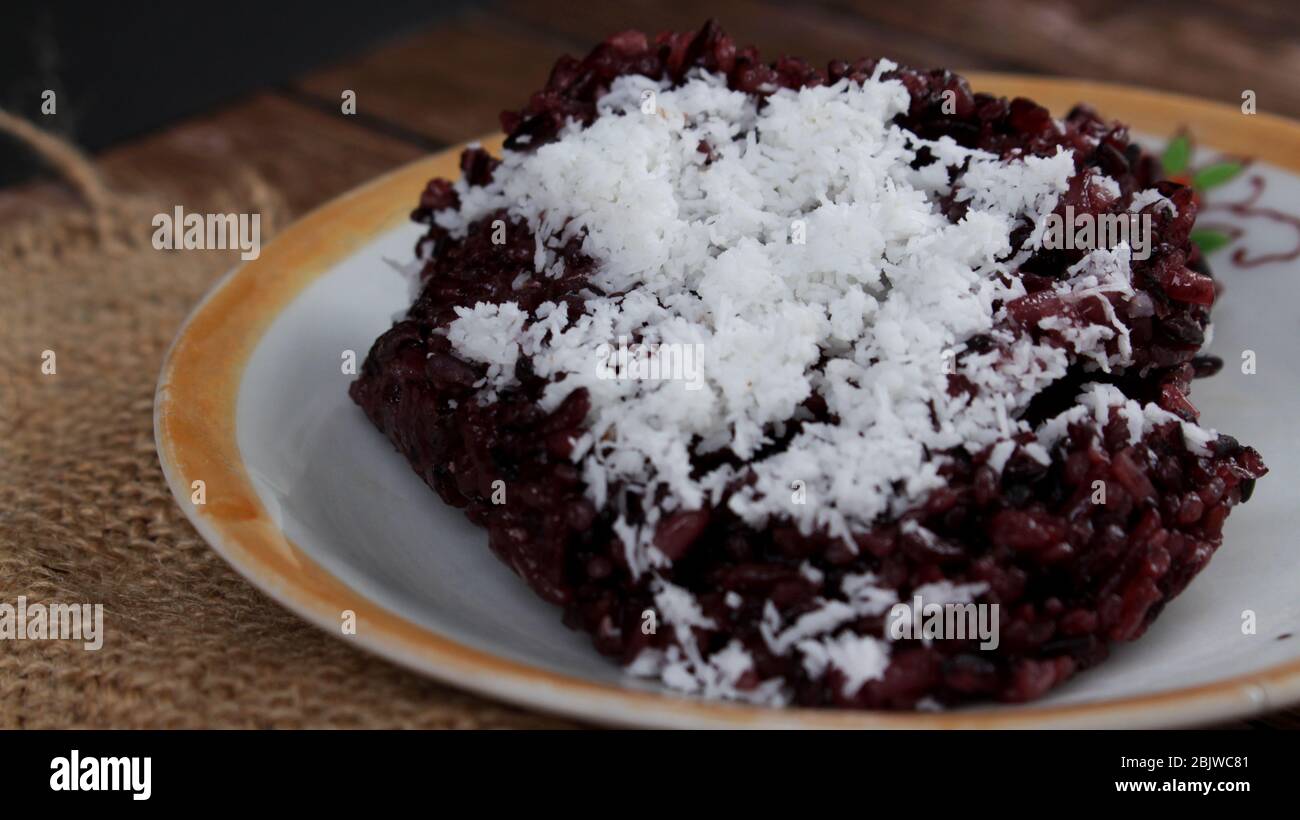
446 84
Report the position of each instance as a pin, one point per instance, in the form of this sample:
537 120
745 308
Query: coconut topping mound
733 358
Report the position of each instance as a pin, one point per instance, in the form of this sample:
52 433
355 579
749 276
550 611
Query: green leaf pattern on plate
1176 161
1209 240
1212 176
1177 153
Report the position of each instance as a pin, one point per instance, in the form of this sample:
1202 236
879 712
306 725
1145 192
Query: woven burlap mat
85 516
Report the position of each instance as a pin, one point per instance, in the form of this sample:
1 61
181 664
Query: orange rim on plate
194 425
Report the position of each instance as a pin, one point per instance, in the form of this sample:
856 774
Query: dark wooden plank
304 155
1210 51
815 33
449 83
1261 16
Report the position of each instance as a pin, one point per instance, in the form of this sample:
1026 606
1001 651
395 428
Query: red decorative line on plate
1249 208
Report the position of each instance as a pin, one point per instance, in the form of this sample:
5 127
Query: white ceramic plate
313 505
